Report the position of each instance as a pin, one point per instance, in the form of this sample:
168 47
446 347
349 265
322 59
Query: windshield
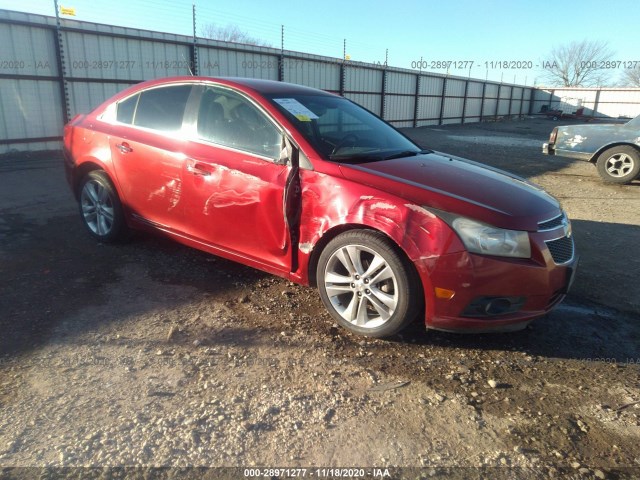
340 130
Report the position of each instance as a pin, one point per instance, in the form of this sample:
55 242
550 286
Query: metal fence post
64 91
443 97
495 115
464 101
510 101
383 92
596 102
484 88
343 71
417 100
281 59
194 47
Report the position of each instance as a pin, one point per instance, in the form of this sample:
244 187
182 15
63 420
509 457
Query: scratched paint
230 198
382 206
306 247
575 140
171 191
419 209
231 188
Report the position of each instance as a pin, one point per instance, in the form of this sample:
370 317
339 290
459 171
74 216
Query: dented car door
234 179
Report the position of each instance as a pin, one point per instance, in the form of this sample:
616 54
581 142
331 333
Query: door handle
124 147
197 168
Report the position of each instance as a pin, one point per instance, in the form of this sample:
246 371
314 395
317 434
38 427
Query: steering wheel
347 140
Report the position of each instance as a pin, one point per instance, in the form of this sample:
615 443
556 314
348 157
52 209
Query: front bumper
540 283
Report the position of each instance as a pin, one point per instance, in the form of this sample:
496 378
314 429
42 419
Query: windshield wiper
362 157
405 153
372 157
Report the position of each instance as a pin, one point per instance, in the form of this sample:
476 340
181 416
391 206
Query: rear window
162 108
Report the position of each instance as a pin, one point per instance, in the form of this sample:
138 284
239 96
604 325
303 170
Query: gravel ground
150 354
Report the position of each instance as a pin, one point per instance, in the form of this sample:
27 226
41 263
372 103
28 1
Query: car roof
264 87
272 86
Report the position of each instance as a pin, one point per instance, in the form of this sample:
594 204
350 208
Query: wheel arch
333 232
330 234
83 170
599 152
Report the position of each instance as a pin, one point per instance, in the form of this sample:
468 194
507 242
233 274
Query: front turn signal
444 293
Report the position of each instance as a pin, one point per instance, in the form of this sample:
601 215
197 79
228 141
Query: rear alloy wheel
366 285
100 207
619 164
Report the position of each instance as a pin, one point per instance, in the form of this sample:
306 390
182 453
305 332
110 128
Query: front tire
100 207
619 165
367 285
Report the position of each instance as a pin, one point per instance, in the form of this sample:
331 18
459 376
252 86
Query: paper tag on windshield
295 108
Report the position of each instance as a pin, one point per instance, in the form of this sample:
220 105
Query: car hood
460 186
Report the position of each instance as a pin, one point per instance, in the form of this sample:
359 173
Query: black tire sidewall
604 156
409 297
118 228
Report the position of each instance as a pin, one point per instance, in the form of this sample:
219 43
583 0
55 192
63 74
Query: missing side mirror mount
288 153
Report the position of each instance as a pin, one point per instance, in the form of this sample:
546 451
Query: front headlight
487 240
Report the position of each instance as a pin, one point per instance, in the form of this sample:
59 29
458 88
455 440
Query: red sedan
312 187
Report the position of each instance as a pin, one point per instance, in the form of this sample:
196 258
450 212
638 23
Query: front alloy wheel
367 286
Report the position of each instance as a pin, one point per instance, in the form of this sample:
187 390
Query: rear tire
367 284
100 208
619 165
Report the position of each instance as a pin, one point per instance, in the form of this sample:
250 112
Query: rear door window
162 108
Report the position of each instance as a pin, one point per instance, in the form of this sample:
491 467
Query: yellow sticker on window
295 108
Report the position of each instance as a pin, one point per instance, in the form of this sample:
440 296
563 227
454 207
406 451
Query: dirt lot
152 354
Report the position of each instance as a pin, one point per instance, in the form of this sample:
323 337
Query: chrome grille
561 249
551 223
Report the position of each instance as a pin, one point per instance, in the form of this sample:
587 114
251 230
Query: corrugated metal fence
597 102
50 71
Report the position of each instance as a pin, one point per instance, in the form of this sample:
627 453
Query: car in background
312 187
613 148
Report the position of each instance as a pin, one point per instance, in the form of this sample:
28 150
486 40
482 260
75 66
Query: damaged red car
310 186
